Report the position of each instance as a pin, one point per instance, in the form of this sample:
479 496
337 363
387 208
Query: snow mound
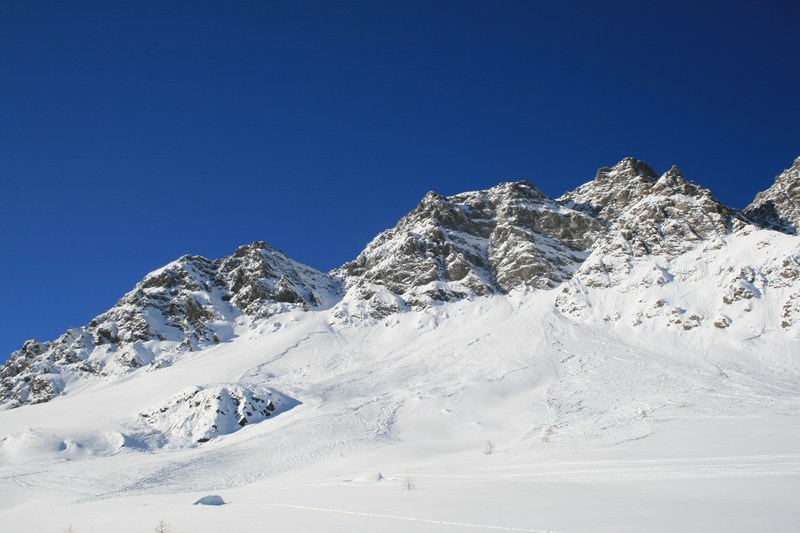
212 499
199 414
36 445
369 478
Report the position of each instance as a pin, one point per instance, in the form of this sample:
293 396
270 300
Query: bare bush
489 448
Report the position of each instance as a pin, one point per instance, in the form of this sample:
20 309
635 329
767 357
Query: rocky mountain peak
522 188
779 206
672 182
432 198
665 218
189 304
252 249
628 168
495 240
612 190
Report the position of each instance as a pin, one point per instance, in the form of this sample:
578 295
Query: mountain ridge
510 237
189 304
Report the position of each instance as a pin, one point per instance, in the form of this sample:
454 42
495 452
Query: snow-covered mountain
510 353
472 244
612 190
187 305
622 231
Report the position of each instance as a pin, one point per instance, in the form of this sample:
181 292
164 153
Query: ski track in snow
640 469
409 519
257 373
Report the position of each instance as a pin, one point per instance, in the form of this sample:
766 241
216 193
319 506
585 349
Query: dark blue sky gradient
134 132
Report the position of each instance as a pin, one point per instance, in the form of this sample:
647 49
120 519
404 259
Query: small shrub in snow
409 483
162 527
489 448
546 434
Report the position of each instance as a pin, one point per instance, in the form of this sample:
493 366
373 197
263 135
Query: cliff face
779 206
508 237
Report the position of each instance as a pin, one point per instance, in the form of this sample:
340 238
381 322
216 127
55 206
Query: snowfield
593 426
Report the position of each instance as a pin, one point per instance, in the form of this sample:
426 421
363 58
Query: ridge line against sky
132 134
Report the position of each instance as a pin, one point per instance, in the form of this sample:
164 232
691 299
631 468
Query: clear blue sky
134 132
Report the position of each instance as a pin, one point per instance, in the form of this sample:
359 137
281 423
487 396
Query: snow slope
581 419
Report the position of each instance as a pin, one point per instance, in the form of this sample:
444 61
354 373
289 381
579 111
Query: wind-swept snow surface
593 429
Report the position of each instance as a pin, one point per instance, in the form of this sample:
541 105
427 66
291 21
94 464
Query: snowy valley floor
703 475
662 432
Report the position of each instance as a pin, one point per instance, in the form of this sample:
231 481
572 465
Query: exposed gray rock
190 304
507 237
613 190
211 499
197 415
779 206
651 222
664 217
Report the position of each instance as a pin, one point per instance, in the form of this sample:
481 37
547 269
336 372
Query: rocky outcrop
667 216
613 190
778 207
199 414
508 237
691 262
190 304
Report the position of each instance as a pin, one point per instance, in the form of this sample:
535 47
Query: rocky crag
779 206
472 244
189 304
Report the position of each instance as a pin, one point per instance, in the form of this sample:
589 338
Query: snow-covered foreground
706 475
592 428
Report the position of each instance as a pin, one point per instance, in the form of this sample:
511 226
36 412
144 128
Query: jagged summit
612 190
189 304
627 167
625 231
668 216
492 241
779 206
